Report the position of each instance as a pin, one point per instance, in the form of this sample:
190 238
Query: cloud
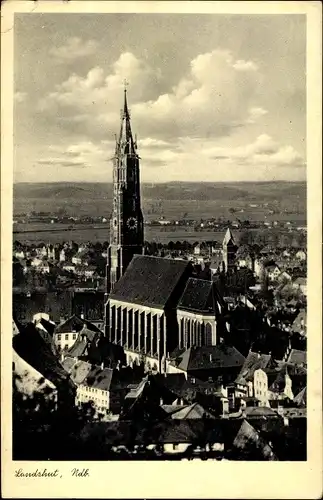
263 151
20 96
77 163
79 155
216 95
75 48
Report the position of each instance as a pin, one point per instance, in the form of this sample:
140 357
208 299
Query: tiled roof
299 323
253 362
80 371
300 398
98 378
151 281
297 357
199 296
75 324
276 379
192 411
68 363
208 357
78 348
256 411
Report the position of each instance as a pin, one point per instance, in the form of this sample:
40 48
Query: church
154 306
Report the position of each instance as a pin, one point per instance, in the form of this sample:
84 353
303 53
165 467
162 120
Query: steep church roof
126 144
152 281
200 296
228 238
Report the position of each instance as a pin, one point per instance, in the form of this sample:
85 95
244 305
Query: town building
229 249
68 332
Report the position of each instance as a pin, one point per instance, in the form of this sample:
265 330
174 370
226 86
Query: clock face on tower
132 223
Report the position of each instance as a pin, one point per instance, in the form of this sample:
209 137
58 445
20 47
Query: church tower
228 251
126 223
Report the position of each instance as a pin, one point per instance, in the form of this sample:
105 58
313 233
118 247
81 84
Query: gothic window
136 328
208 334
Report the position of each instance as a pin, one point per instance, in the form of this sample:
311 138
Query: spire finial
125 107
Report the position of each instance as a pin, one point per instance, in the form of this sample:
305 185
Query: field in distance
172 201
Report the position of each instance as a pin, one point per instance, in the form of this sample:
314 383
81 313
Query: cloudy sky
212 97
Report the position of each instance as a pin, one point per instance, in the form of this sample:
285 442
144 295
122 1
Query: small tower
126 222
228 251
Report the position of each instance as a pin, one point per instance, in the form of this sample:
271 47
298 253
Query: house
220 363
280 384
197 249
177 390
258 267
19 254
273 271
105 387
300 398
249 443
284 277
186 412
96 387
299 323
253 376
300 284
41 251
62 256
67 333
215 264
301 255
82 257
36 262
86 271
297 357
68 266
44 267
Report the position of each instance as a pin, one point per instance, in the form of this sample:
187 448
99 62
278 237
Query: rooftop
151 280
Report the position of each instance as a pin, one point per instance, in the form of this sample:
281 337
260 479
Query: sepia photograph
159 238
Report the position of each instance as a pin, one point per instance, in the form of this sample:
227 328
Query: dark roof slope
98 378
297 357
151 280
30 346
199 295
253 362
210 357
75 324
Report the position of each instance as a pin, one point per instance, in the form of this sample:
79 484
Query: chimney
102 365
161 402
211 358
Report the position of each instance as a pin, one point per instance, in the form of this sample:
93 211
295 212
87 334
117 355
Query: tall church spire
126 223
126 141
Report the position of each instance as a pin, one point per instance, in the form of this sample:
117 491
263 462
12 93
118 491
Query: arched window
208 334
148 365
